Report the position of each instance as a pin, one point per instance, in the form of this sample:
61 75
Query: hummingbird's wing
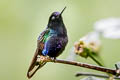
34 66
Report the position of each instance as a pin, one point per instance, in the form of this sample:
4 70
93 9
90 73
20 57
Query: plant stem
92 74
95 60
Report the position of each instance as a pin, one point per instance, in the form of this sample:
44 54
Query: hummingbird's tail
34 66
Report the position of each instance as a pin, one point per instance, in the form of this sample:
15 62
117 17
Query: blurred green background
21 22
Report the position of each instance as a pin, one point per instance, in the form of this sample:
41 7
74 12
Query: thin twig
92 74
89 66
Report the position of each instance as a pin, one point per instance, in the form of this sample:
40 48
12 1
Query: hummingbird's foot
40 59
45 58
53 59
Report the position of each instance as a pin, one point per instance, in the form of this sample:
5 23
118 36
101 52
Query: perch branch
89 66
92 74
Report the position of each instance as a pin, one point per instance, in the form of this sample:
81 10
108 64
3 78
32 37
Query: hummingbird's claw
53 59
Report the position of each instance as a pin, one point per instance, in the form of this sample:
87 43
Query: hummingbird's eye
53 18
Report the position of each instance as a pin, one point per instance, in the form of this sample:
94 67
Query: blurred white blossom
91 38
89 42
109 28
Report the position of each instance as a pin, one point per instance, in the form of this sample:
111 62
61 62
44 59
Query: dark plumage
51 42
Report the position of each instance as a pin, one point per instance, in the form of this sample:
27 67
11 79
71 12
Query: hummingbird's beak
63 10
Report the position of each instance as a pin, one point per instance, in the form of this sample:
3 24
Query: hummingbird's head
56 16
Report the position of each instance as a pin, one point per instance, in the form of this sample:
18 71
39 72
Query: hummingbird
51 42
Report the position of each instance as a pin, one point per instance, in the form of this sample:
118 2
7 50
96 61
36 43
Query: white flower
88 43
92 41
92 37
109 28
